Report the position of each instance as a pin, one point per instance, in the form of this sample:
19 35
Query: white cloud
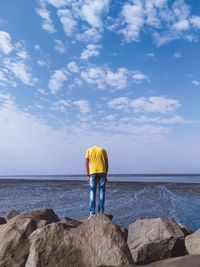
59 46
37 47
133 18
91 50
42 62
21 51
83 105
58 3
104 77
67 20
176 119
57 80
72 67
89 35
70 13
61 105
21 70
195 21
5 42
196 83
91 11
157 104
181 25
45 14
138 76
149 56
6 80
120 103
178 55
163 20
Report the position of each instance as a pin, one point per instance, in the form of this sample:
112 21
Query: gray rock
10 214
95 242
155 239
110 216
2 220
47 215
14 242
186 261
184 229
71 222
192 243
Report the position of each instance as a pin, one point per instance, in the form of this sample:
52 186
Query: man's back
97 157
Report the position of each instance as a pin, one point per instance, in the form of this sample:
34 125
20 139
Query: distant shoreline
114 175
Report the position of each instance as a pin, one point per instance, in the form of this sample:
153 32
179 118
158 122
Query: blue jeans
97 179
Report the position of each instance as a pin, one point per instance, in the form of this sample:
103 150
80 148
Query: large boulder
10 214
47 215
192 243
186 261
2 220
14 242
154 239
71 222
95 242
185 229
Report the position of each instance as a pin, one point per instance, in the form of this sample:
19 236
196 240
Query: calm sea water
178 197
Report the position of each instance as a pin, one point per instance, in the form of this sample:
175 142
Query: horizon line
111 174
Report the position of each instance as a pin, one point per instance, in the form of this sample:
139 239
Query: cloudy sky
121 74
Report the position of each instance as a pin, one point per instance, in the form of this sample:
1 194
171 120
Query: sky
124 75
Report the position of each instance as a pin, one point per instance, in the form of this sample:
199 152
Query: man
96 164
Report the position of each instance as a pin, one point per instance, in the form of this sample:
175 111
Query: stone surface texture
155 239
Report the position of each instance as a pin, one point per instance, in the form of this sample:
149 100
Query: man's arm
107 166
87 168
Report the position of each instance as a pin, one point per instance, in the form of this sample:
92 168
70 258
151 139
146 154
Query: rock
154 239
192 243
186 261
95 242
47 215
184 229
10 214
2 220
71 222
124 232
110 216
14 242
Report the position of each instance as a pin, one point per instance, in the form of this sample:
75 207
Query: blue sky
121 74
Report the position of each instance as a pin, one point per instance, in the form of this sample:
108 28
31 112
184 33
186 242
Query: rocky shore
40 239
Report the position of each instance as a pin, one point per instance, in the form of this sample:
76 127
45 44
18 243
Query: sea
128 197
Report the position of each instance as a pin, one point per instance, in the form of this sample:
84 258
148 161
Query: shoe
90 216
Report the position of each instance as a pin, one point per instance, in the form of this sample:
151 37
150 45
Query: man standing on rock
96 164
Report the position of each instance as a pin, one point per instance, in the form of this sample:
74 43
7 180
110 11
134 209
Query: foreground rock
14 242
47 215
2 220
10 214
185 230
192 243
95 242
154 239
71 222
186 261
